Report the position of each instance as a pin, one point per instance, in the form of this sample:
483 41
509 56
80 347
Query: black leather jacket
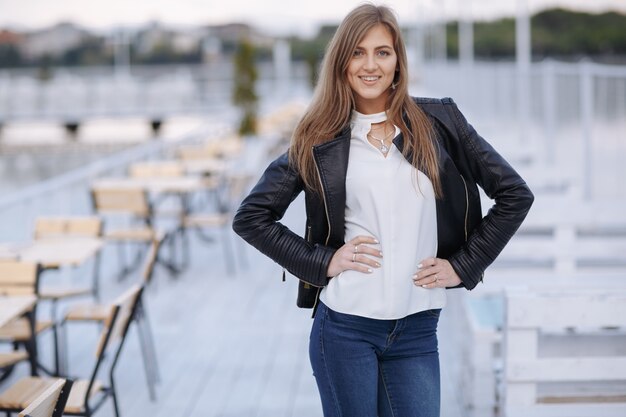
469 241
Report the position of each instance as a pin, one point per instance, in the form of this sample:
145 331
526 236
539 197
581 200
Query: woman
393 219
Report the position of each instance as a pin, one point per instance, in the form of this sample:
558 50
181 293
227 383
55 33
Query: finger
427 273
427 262
368 250
364 239
359 266
360 258
427 280
430 282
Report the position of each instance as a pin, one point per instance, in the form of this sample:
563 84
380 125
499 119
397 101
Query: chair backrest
78 226
19 277
150 260
51 402
156 169
116 325
121 200
195 152
114 333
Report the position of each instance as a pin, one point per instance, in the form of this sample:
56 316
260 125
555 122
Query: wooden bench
564 353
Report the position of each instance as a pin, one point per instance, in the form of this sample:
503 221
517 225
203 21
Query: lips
370 78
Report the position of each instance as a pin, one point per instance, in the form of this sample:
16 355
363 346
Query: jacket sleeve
257 222
502 184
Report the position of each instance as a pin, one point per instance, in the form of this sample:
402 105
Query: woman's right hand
356 255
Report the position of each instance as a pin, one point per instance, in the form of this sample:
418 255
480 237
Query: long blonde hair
333 100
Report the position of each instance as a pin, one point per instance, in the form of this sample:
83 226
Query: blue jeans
368 368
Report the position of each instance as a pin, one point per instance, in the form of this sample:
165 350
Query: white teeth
369 78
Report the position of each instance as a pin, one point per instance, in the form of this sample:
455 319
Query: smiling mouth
370 78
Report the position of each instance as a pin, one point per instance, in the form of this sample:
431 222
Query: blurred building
53 41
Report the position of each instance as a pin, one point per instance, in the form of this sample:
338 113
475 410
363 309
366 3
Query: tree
244 94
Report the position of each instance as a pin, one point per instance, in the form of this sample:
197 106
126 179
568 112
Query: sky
277 17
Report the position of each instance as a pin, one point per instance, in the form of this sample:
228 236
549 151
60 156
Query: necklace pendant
384 148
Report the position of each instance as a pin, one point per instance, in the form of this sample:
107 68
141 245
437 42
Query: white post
418 38
523 56
466 34
586 117
282 59
122 53
282 66
442 35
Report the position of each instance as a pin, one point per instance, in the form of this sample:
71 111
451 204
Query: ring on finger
436 279
354 257
356 248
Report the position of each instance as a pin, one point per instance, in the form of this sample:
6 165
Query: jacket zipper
317 168
467 215
466 205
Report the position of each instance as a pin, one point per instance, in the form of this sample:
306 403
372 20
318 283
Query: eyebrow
378 47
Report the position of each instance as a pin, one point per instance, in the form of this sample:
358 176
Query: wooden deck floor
228 345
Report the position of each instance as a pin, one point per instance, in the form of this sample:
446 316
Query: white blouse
384 200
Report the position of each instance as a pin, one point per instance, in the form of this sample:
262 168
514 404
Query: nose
370 63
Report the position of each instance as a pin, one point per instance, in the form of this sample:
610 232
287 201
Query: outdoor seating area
145 300
139 225
128 284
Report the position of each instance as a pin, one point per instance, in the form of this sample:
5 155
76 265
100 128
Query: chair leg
149 337
96 277
64 349
146 342
116 407
31 345
55 338
184 234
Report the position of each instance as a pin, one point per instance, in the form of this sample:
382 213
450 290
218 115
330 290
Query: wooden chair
98 313
22 278
195 152
8 360
230 195
160 170
77 226
86 395
149 169
133 205
51 402
70 226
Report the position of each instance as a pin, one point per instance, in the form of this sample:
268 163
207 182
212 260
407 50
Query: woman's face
372 69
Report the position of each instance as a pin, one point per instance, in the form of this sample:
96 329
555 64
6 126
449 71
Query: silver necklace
383 147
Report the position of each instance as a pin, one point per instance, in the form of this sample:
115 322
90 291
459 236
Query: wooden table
13 306
159 185
202 166
54 252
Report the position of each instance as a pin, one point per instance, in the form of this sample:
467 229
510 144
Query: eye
357 52
384 52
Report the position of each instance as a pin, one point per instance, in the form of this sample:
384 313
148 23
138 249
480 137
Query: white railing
576 118
74 94
68 193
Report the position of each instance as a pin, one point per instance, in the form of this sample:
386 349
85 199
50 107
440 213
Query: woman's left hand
436 273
